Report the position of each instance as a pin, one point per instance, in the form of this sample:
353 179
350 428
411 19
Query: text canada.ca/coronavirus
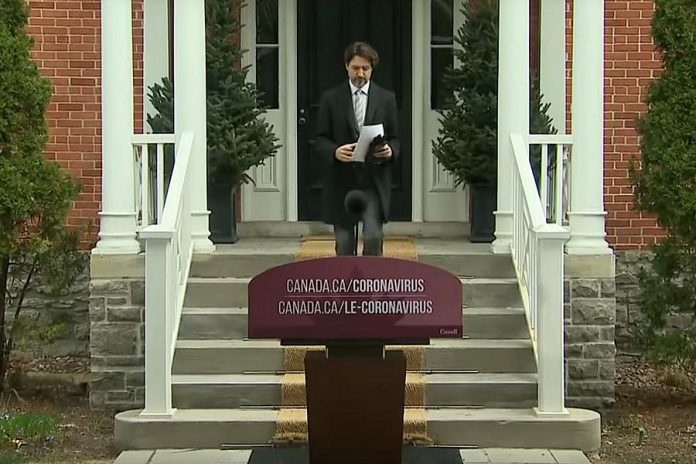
310 286
348 307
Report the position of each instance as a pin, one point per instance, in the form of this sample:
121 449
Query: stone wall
590 315
628 314
70 308
117 343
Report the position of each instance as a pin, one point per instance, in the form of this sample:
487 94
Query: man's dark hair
362 49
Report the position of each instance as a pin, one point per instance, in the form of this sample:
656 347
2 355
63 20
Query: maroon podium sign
355 298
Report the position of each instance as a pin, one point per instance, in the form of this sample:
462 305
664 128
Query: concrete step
230 292
250 256
238 390
232 323
210 428
240 356
410 453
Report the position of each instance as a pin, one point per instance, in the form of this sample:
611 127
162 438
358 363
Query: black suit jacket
335 127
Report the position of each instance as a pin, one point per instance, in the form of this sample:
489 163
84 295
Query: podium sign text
355 298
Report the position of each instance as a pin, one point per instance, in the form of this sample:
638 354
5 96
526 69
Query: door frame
427 178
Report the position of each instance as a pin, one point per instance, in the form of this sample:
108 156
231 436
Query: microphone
356 202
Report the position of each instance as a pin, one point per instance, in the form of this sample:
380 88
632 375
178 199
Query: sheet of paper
367 133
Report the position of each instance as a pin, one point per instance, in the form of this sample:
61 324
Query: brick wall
68 50
631 64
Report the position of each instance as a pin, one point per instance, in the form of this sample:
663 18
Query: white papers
367 134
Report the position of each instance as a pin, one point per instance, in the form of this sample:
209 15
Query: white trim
420 54
289 38
156 50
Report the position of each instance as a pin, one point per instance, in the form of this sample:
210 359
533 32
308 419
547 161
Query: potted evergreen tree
467 144
239 137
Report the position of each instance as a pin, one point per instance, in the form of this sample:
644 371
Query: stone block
120 397
600 351
105 381
114 339
135 379
607 370
600 389
607 333
124 314
140 396
138 292
607 288
593 311
116 301
582 334
582 369
109 287
625 279
584 288
101 362
97 309
600 404
573 351
566 291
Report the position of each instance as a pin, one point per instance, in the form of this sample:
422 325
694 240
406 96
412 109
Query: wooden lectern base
355 405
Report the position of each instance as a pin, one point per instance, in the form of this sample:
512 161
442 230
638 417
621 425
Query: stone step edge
431 378
449 414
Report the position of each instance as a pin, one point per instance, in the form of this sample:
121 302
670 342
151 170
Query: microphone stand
357 228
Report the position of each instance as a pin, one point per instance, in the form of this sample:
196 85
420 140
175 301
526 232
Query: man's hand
384 152
344 153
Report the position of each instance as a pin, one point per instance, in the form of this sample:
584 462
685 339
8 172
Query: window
441 46
267 52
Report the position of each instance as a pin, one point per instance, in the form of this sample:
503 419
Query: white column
513 107
552 60
587 234
156 49
117 231
190 107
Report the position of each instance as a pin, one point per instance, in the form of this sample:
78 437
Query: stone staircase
479 391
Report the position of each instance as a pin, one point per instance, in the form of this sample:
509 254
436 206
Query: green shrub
35 194
665 185
467 144
239 137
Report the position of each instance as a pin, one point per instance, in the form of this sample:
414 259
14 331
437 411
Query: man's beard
359 82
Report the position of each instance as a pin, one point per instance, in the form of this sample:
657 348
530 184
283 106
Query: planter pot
483 202
222 203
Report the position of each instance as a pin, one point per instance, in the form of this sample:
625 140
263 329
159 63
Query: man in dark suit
342 113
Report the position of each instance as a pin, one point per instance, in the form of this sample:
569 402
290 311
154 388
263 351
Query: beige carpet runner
291 424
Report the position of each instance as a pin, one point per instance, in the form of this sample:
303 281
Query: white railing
150 180
168 253
554 188
537 253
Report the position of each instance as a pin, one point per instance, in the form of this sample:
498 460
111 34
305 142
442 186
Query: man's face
359 71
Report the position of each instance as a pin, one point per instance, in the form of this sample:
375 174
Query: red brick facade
68 51
631 63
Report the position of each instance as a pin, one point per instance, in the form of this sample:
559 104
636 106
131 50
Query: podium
355 306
